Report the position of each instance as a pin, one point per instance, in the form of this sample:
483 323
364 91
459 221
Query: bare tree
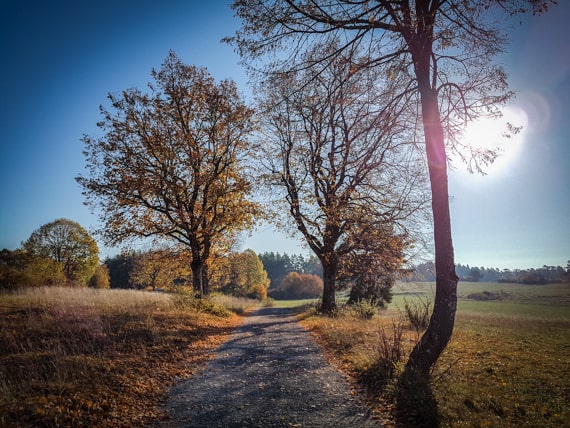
443 48
342 157
171 164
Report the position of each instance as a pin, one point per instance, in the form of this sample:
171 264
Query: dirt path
269 374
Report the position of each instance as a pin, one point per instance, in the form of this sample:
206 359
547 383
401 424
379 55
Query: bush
299 286
185 299
418 313
486 296
365 309
100 278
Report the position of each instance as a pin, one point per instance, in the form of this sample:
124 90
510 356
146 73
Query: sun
493 134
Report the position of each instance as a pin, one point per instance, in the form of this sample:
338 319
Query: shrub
100 278
488 295
418 313
185 299
365 309
300 286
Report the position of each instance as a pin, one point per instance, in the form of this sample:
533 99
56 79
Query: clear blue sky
61 58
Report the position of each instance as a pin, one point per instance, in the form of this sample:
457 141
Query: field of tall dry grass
85 357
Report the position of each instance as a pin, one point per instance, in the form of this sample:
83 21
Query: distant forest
543 275
279 265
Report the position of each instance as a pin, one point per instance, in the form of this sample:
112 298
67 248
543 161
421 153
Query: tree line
61 252
544 275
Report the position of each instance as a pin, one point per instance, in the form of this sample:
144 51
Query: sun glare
492 134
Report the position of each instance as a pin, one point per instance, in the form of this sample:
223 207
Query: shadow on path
270 373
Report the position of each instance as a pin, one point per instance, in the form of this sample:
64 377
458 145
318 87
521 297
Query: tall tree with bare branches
443 49
339 151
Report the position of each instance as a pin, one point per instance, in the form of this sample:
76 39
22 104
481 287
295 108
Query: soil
270 373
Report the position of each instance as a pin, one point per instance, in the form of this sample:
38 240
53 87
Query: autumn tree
341 155
20 269
374 264
68 244
441 51
100 278
120 267
159 268
300 286
171 164
243 275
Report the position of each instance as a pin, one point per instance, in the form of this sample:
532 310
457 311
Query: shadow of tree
416 406
415 403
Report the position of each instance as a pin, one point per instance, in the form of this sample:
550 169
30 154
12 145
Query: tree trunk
205 280
329 262
435 339
197 267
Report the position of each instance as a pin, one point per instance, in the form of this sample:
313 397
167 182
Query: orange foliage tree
172 164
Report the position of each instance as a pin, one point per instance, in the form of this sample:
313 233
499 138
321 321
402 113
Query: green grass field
507 365
551 301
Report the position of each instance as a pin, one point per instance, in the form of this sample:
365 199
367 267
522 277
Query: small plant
391 353
418 313
365 309
381 376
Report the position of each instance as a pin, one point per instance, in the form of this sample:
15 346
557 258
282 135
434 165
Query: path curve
270 373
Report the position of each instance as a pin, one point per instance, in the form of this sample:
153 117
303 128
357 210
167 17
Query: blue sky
61 58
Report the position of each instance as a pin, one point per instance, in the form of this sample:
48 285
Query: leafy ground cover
83 357
507 365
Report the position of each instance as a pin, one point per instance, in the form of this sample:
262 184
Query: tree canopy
343 156
171 164
241 274
442 52
69 245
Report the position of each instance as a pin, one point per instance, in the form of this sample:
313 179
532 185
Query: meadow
85 357
507 365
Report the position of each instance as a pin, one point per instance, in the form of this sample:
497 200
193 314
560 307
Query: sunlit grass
238 305
294 303
84 357
507 364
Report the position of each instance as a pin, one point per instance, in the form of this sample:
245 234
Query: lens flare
505 135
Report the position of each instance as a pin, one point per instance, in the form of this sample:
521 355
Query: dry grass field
105 358
508 364
84 357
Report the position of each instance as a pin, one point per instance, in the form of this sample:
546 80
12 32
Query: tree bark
197 267
329 262
435 339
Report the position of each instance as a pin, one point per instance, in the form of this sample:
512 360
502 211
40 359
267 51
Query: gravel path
269 374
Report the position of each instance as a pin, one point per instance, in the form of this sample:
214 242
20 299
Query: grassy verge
506 366
83 357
